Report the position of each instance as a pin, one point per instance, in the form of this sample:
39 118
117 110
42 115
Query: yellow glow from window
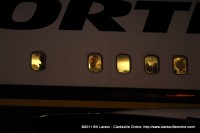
151 64
123 63
94 62
180 95
37 61
180 65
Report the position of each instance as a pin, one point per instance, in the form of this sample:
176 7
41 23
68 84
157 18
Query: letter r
78 10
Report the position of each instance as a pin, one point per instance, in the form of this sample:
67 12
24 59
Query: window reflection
123 63
151 64
95 63
180 65
38 61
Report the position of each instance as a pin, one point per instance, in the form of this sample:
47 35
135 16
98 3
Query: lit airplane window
180 65
123 64
95 63
151 64
38 61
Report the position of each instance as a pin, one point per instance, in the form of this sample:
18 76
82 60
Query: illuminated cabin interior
95 63
151 64
180 65
123 63
38 61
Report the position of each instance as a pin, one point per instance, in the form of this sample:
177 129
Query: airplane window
180 65
95 62
123 63
151 64
38 61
